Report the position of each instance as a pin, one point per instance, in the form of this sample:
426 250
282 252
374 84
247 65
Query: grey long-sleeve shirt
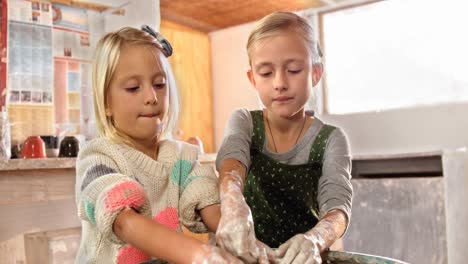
335 189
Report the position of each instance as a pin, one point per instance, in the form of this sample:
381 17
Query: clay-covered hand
301 248
211 254
306 248
267 255
235 231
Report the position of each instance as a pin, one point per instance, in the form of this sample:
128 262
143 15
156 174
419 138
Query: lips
282 99
149 115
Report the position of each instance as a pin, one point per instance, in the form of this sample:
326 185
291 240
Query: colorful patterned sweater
111 177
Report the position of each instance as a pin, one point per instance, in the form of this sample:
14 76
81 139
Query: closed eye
159 85
132 89
266 74
295 72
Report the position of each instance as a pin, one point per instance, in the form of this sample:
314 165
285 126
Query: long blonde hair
280 22
105 62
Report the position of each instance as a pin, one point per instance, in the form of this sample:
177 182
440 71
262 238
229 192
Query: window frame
320 14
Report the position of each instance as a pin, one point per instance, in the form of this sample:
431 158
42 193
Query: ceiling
210 15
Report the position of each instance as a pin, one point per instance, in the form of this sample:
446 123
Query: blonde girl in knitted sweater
134 190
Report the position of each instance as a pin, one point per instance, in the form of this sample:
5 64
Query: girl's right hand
211 254
235 232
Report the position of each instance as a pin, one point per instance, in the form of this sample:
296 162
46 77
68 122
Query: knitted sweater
111 177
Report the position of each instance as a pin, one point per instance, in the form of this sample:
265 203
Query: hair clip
166 46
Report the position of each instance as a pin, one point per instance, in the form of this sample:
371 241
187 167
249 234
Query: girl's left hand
306 248
301 248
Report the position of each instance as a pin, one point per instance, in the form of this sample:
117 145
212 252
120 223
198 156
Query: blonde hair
105 62
280 22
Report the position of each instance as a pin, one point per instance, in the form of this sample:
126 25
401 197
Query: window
395 54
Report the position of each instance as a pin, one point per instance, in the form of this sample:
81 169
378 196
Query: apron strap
317 150
258 133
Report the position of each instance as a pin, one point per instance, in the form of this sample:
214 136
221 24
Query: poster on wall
30 68
70 44
30 64
36 12
70 17
71 32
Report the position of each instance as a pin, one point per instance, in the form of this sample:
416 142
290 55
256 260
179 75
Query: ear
317 71
108 112
251 78
107 107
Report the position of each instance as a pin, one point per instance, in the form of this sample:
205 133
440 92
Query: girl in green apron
284 174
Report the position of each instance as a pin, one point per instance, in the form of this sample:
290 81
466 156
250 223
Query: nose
150 95
280 82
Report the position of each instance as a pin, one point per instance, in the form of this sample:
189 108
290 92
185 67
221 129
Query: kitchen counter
33 164
389 165
64 163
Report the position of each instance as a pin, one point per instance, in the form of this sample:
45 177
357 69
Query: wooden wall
191 63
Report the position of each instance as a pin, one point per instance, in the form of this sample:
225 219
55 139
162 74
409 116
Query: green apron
283 198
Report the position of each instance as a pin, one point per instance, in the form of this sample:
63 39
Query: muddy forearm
225 175
329 229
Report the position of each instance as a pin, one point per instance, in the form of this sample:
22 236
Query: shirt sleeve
335 189
199 188
237 139
103 188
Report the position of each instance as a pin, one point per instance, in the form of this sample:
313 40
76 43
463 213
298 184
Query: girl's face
137 98
281 71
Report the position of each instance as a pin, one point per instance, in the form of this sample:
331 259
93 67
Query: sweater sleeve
335 189
103 187
198 188
237 139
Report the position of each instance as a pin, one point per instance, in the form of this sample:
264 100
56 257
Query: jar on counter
69 147
51 144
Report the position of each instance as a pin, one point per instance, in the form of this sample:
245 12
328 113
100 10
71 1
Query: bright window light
396 54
